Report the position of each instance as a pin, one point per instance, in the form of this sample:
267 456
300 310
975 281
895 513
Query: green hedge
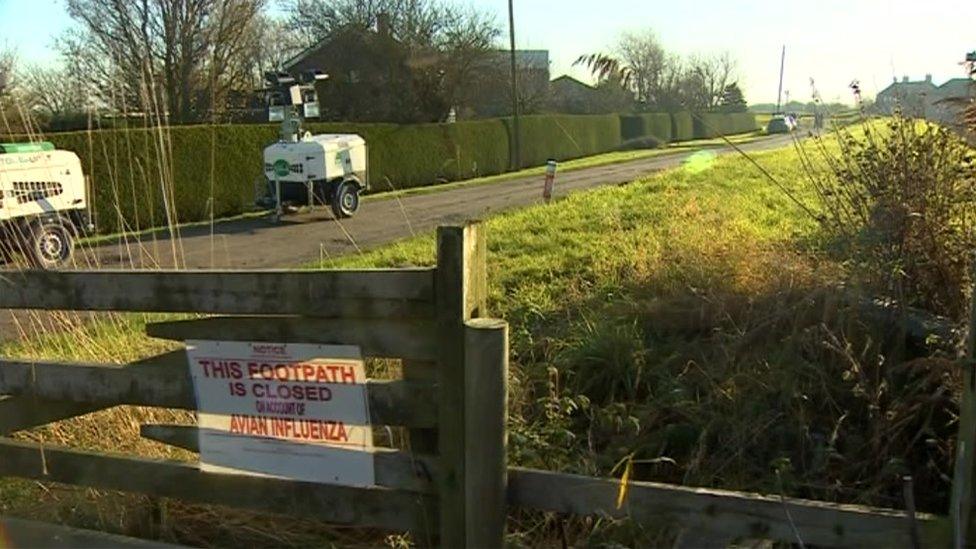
713 124
126 165
682 128
636 126
564 136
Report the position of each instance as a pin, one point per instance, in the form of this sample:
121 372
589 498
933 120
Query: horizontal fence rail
722 514
385 338
378 507
394 469
165 382
355 293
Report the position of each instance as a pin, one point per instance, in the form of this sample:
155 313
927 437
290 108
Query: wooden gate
448 488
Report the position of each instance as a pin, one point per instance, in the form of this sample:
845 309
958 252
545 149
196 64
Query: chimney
904 79
928 78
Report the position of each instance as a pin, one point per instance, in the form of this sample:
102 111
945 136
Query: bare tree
647 60
54 91
662 80
707 76
183 57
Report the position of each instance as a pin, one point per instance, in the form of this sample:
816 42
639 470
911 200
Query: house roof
909 88
569 80
957 87
527 59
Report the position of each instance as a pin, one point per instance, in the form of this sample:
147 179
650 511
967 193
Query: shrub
647 142
901 203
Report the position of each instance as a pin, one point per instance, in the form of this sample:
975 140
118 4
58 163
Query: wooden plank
27 533
377 337
422 440
962 505
25 412
457 287
18 413
734 514
486 417
377 507
394 469
165 383
365 293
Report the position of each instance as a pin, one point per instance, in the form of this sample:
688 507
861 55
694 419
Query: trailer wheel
51 244
346 200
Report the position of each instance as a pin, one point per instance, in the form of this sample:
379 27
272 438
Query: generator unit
305 170
43 203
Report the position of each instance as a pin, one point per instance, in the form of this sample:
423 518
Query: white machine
303 169
43 203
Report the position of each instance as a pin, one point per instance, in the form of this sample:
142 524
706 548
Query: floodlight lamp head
279 78
312 76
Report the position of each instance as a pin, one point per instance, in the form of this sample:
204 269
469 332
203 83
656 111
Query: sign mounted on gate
290 410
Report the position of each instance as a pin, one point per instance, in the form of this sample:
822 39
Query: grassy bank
688 322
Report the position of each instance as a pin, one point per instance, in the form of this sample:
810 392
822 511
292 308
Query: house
374 78
492 96
942 104
950 100
911 97
571 96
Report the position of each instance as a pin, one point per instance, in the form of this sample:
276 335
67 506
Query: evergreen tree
732 99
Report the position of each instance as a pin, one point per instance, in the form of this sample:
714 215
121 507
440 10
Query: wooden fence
451 487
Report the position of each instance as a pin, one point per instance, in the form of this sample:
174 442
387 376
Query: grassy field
685 322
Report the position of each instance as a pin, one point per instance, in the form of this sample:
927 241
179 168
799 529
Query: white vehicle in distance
305 170
43 203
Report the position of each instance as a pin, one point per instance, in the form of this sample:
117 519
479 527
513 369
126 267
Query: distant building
571 96
373 77
910 97
943 104
493 94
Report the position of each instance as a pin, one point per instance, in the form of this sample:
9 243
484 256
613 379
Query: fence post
963 483
460 288
486 435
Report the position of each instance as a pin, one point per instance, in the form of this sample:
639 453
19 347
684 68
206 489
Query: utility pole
779 94
517 135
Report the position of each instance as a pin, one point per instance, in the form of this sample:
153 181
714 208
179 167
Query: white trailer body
326 157
38 183
43 203
317 169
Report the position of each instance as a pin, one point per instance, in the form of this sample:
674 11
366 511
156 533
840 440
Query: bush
682 127
901 203
648 142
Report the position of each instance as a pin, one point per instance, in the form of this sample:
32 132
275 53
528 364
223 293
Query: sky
831 41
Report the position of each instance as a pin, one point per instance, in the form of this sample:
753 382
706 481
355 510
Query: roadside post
550 180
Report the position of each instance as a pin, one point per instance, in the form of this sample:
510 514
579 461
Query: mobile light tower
305 169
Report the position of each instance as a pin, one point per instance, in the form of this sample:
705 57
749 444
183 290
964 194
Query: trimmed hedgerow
636 126
682 128
219 167
566 136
